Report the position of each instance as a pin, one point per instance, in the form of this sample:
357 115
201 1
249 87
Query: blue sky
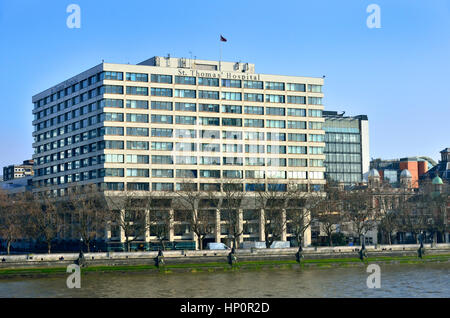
398 75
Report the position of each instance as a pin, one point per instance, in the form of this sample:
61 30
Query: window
315 163
274 98
256 110
232 161
187 80
296 99
295 87
137 145
275 86
231 96
314 88
254 123
294 124
162 146
186 173
315 113
186 93
232 148
295 162
108 75
162 119
157 78
113 117
235 135
231 83
113 144
276 162
210 147
112 131
113 172
315 100
185 133
276 136
296 174
213 108
155 91
300 112
278 111
137 159
255 187
139 104
316 138
209 173
111 89
254 162
137 131
137 77
209 121
234 109
133 172
208 94
209 160
297 149
253 84
112 158
232 174
297 137
210 134
159 186
316 150
186 120
253 135
161 132
190 107
186 160
237 122
205 81
137 118
185 146
162 173
254 149
315 125
254 97
274 174
275 123
115 103
161 105
137 186
315 175
162 160
255 174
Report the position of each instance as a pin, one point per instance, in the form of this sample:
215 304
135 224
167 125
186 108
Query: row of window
215 174
209 121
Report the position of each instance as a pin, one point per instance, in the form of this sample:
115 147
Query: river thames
421 280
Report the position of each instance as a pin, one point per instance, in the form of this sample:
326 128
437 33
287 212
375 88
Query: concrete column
262 222
171 230
194 236
241 224
283 222
217 232
307 234
147 229
122 232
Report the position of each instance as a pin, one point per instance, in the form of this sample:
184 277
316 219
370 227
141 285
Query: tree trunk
49 247
128 246
200 247
330 239
389 239
8 247
88 246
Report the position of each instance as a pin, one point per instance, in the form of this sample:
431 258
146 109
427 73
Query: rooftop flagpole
222 39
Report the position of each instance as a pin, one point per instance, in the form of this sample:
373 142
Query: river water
421 280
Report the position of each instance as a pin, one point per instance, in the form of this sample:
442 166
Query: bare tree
201 221
360 210
272 204
45 220
88 212
327 208
232 195
12 216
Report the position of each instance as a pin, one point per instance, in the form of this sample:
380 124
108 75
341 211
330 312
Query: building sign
224 75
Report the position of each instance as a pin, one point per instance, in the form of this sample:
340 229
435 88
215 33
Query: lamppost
81 245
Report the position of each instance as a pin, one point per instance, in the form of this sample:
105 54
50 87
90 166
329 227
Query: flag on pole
222 38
